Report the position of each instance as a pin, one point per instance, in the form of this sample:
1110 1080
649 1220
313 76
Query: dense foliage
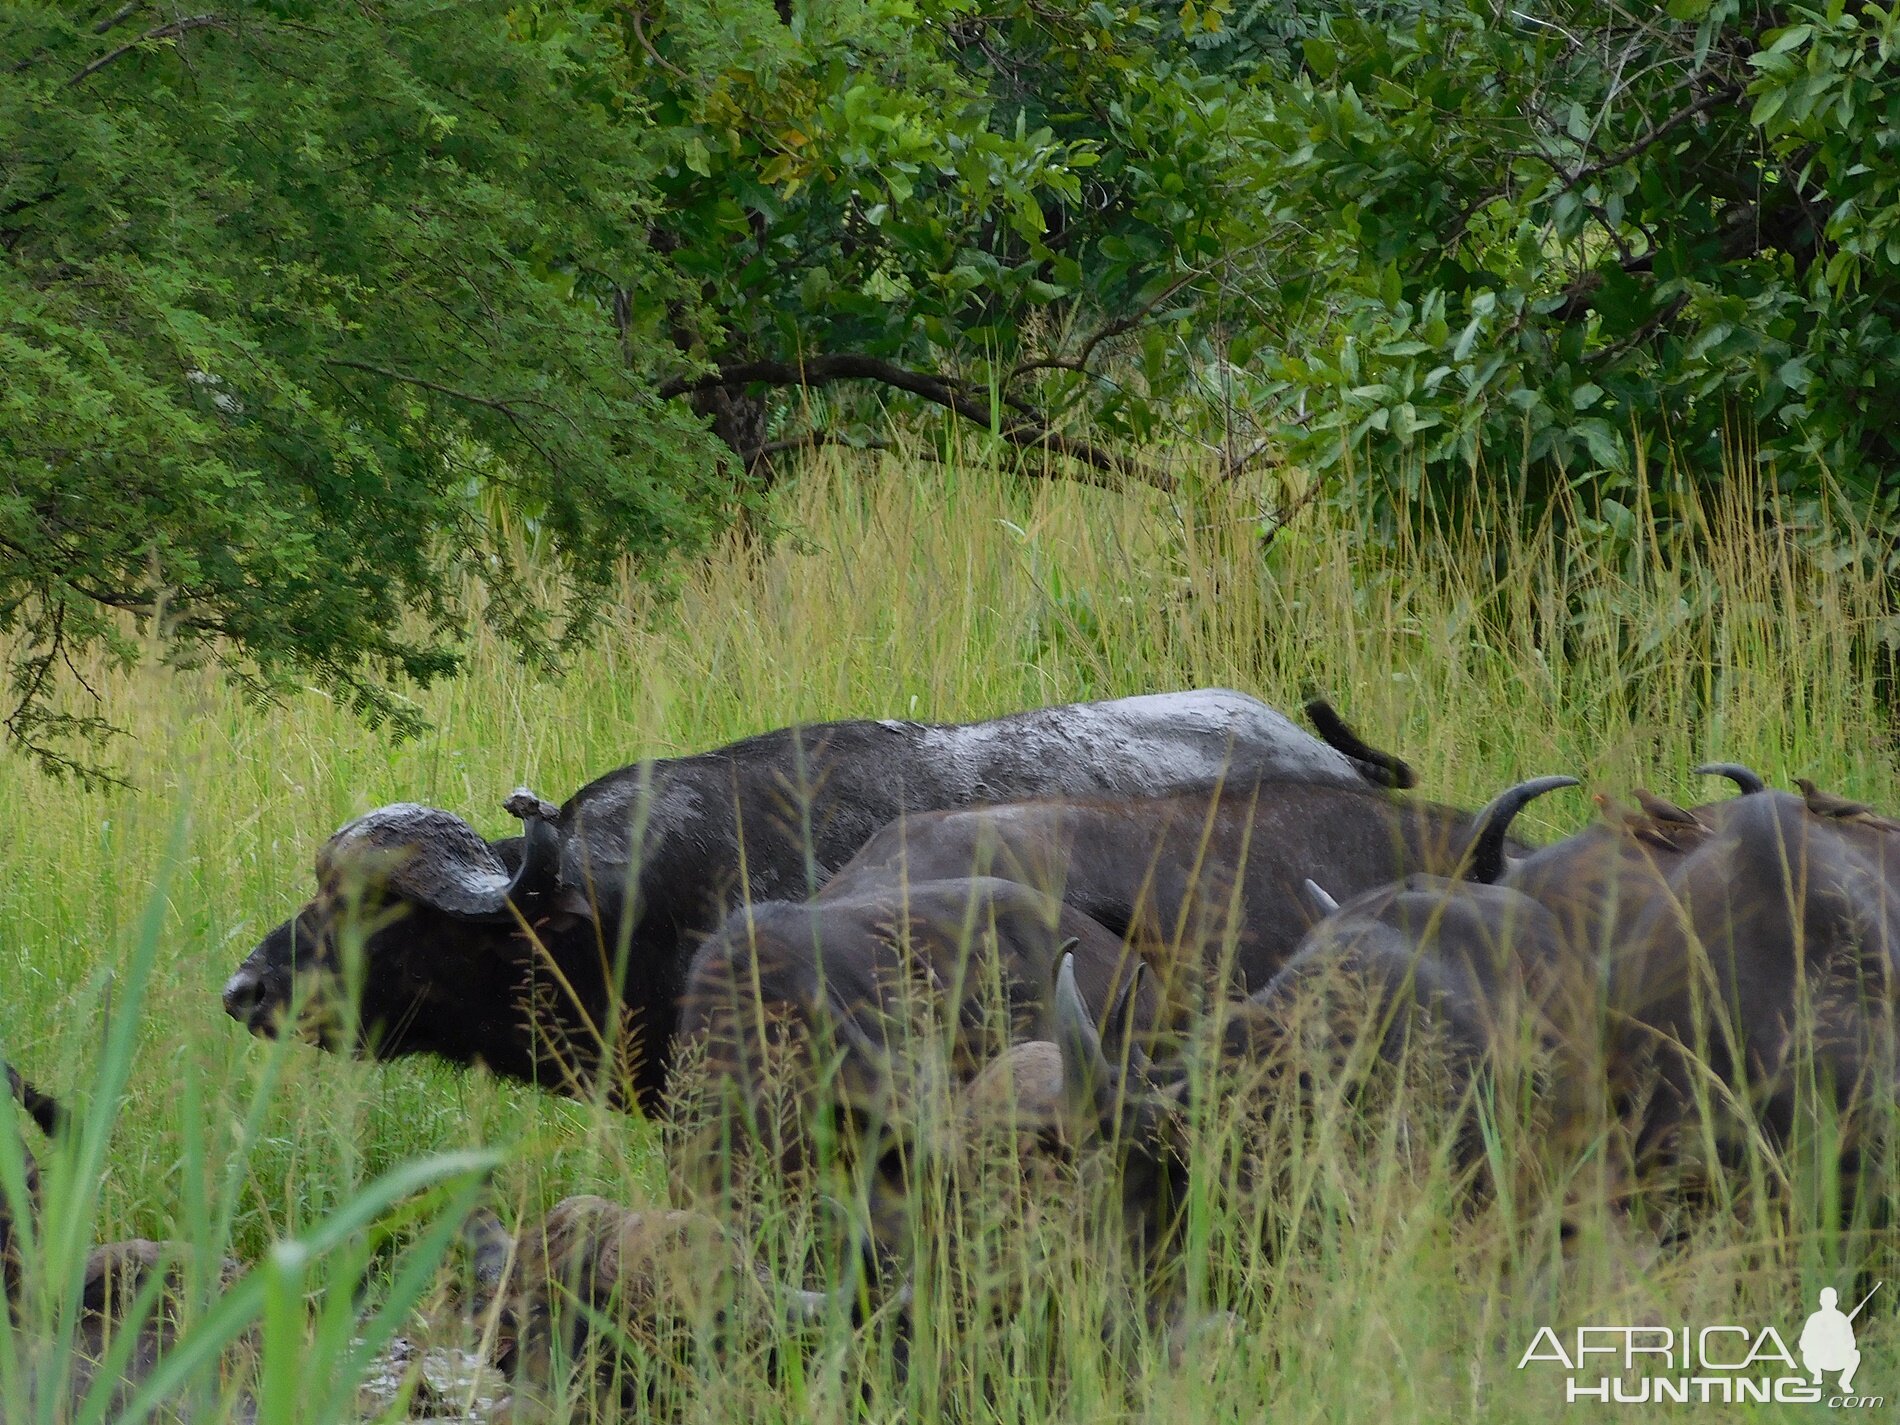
966 204
1412 237
1547 241
298 298
295 297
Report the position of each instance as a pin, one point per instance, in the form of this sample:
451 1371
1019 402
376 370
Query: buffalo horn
489 1246
1485 861
1088 1079
804 1307
1319 897
1123 1017
524 805
1746 779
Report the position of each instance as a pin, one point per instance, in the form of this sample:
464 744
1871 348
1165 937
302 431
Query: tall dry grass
1622 652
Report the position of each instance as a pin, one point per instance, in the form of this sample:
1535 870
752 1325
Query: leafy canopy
1552 238
983 206
297 297
1404 238
300 297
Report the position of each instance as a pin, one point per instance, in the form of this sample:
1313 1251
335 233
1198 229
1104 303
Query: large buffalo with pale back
559 956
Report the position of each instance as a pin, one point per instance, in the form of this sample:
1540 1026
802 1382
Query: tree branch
638 21
819 439
502 407
118 17
493 403
1107 331
1029 433
1747 230
182 26
1291 512
1715 98
822 370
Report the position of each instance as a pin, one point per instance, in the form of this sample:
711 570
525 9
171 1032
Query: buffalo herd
848 947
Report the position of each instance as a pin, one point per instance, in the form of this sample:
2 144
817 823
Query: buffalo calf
837 1013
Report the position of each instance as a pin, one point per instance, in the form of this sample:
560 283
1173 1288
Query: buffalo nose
244 995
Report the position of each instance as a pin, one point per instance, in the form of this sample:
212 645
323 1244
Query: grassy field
945 594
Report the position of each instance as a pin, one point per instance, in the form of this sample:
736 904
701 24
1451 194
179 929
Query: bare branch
493 403
118 17
504 408
1107 331
1030 432
818 439
170 31
637 19
1714 99
1286 516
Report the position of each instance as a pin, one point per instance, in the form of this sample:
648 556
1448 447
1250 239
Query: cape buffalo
643 1291
1601 880
117 1277
48 1114
1738 947
1473 959
521 953
1754 952
1214 874
1772 954
863 1009
536 1292
1718 939
43 1109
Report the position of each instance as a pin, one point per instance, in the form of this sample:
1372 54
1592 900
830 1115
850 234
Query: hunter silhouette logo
1712 1365
1827 1341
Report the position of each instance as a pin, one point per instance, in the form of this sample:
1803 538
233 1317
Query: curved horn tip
1131 986
1508 803
1124 1019
1319 897
1537 786
1746 779
1487 847
1067 991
